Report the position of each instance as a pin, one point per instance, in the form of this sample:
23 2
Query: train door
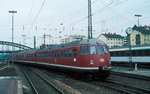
86 57
75 57
103 54
93 56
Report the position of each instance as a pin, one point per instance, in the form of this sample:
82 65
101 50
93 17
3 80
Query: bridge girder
15 45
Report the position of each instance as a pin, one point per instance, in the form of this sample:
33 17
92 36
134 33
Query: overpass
15 45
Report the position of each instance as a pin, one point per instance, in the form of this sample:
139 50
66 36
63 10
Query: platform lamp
137 15
129 31
12 12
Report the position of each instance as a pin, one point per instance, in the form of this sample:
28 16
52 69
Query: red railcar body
89 56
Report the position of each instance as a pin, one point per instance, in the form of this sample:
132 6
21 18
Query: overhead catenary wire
37 15
30 11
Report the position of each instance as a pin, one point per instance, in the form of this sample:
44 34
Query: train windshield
92 50
100 49
105 49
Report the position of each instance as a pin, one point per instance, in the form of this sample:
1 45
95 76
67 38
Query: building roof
114 35
142 29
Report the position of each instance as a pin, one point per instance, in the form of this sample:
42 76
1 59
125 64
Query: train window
58 54
74 52
105 49
70 53
111 54
86 50
117 53
123 53
52 54
92 50
61 53
100 49
133 53
55 54
81 49
147 52
65 53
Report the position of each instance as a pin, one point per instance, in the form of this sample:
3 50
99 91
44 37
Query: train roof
133 47
71 44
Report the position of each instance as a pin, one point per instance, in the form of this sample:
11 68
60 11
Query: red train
86 57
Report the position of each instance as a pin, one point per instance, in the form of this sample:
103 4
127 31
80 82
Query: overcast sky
66 17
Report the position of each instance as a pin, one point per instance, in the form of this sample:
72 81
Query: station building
112 39
140 35
72 38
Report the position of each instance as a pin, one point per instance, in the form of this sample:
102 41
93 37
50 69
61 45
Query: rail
131 75
34 77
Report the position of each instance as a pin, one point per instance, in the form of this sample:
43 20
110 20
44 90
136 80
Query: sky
58 19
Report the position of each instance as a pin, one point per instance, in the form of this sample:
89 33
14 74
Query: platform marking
20 87
4 67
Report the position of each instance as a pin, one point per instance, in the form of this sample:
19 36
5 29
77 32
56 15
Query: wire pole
34 42
89 20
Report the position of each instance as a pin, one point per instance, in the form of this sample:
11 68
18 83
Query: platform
139 71
10 82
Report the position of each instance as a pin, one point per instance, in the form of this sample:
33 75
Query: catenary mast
89 20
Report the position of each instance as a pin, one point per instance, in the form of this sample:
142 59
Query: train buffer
10 82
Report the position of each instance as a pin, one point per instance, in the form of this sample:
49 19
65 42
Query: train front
96 57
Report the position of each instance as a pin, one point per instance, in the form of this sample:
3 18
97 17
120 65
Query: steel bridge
5 47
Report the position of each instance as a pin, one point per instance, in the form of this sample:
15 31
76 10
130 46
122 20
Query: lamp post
12 12
138 18
12 23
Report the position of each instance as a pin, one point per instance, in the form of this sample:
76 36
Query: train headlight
91 62
74 59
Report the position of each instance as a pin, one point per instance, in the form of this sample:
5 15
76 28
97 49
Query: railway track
130 88
39 84
121 88
146 78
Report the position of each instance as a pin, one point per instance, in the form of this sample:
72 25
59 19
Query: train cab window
100 49
86 50
92 50
70 53
75 53
105 49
